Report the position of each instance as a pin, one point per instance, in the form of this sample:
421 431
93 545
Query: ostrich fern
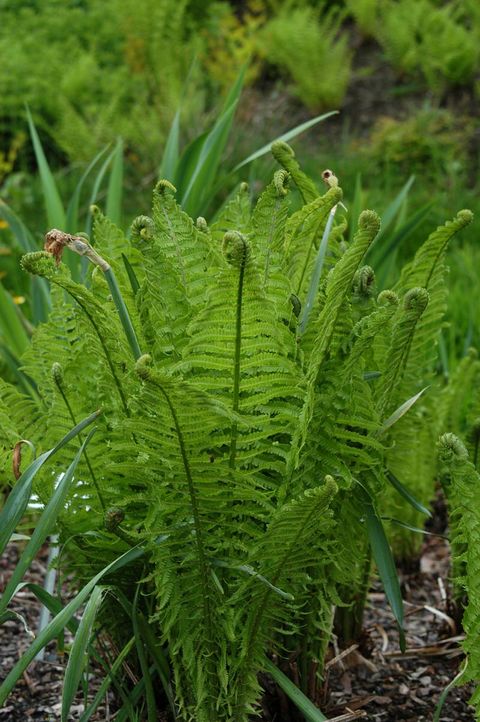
461 482
237 450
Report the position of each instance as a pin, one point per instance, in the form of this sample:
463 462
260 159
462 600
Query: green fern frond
285 156
414 305
303 233
339 284
240 351
462 487
428 270
289 546
234 215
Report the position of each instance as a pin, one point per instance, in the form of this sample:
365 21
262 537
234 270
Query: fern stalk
238 256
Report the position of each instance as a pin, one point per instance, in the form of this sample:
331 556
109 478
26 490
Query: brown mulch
38 694
388 685
372 681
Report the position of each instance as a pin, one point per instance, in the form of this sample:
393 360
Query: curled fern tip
57 373
281 180
236 248
465 216
143 366
450 447
388 298
280 148
164 186
416 300
39 263
369 220
142 227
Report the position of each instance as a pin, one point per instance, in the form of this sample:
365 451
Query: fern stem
58 384
236 362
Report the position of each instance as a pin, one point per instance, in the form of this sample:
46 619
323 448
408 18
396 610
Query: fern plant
247 377
305 42
461 483
435 40
411 458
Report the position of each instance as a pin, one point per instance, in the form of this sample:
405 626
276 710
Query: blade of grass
107 681
454 682
356 209
59 622
383 557
301 702
201 182
12 331
132 277
401 411
415 529
115 185
43 526
14 364
142 658
382 253
171 153
392 210
317 272
73 224
149 639
204 174
406 494
19 497
96 190
289 135
53 203
40 292
188 162
77 656
21 233
40 299
53 604
235 91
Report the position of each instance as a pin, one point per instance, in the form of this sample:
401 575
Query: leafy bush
305 43
419 36
96 70
366 15
250 384
232 41
431 143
